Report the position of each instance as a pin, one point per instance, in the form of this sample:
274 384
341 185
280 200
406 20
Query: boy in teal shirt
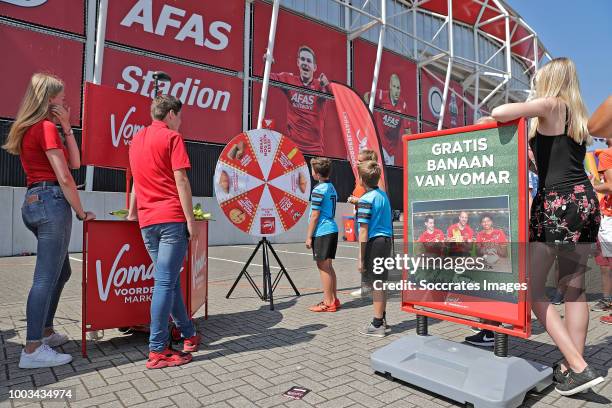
322 234
375 241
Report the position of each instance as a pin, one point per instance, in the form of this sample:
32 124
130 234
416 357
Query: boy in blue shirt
322 234
375 241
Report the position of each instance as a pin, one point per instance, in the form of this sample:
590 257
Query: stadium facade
436 64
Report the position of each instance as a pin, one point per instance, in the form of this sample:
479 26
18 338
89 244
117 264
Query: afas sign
206 31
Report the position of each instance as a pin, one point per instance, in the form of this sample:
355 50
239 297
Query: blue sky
580 30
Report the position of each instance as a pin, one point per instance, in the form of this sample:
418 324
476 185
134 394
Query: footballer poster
262 182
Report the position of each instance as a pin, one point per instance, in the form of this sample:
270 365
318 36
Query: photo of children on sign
473 227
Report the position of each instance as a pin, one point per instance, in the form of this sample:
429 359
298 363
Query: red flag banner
357 127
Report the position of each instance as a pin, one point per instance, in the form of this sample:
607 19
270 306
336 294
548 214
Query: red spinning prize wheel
262 182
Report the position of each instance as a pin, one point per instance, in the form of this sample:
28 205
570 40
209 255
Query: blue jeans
47 214
167 246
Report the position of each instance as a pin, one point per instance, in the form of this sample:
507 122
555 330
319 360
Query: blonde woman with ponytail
51 193
564 214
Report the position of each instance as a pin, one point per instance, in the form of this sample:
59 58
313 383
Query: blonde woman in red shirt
51 193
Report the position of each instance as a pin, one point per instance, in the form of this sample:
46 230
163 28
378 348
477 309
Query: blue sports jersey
324 198
374 209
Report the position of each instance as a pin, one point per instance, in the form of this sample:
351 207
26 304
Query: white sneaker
43 356
356 293
55 340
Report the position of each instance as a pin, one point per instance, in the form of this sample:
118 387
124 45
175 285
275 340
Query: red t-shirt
496 236
433 242
304 113
155 153
436 236
605 163
36 141
467 233
358 191
391 126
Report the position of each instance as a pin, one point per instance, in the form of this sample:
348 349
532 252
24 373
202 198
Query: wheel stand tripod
268 285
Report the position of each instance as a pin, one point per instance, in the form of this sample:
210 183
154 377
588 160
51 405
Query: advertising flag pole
268 67
97 73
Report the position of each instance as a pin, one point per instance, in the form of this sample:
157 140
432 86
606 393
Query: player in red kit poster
305 111
491 241
432 238
461 235
391 127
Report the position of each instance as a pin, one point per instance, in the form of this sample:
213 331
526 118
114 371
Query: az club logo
435 101
25 3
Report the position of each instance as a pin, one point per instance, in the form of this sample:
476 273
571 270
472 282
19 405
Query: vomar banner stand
474 176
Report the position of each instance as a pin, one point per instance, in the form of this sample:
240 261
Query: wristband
69 133
81 219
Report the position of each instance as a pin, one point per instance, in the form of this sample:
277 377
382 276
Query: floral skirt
565 215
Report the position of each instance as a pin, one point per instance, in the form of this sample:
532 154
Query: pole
379 49
449 68
246 67
97 73
268 67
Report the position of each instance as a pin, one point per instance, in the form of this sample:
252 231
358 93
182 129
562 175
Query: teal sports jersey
324 198
374 209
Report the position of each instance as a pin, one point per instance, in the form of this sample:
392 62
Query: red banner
394 93
432 92
327 47
397 85
210 32
358 130
320 133
119 276
27 52
212 102
111 118
66 15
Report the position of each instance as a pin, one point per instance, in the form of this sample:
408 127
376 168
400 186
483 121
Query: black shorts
377 247
324 247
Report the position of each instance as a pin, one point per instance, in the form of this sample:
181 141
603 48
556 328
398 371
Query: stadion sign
112 117
212 102
209 32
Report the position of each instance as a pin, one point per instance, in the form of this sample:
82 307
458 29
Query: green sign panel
462 206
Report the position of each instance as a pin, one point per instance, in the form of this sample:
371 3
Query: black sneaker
602 305
557 298
578 382
484 338
559 376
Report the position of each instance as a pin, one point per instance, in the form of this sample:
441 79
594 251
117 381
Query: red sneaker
167 358
322 307
606 319
192 344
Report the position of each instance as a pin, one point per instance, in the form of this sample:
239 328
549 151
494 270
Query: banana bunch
120 213
199 213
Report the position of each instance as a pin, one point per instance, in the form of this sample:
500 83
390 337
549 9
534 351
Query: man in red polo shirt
304 110
161 201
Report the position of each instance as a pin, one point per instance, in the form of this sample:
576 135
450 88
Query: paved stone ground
251 355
